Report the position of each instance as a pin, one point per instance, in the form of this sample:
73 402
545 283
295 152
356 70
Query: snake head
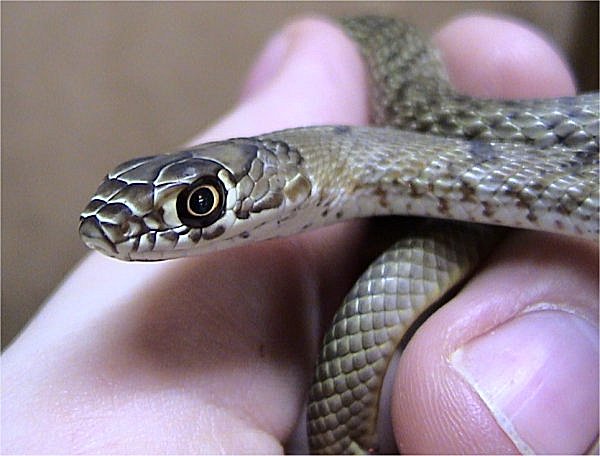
205 198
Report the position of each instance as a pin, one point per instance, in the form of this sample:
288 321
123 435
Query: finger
303 77
491 57
207 354
493 370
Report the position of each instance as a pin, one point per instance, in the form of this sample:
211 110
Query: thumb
492 371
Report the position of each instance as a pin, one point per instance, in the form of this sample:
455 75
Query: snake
461 169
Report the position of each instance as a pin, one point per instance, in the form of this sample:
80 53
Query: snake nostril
94 236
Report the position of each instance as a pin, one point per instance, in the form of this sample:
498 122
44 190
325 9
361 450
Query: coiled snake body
525 164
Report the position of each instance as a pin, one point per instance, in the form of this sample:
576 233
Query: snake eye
202 203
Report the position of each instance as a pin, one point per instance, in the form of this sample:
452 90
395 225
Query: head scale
204 198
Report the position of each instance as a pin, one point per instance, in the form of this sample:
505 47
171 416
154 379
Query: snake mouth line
109 238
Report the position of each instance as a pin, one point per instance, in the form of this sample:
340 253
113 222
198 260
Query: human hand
215 353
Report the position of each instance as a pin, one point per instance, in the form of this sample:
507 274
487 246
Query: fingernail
538 375
267 65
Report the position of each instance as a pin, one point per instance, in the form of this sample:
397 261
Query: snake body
434 153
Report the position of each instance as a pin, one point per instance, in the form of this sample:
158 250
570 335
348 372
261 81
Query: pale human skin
214 354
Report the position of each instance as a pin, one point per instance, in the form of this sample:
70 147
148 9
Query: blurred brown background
88 85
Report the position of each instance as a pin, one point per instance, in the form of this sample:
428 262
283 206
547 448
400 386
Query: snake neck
365 171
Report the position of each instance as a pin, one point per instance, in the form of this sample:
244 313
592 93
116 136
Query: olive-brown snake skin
525 164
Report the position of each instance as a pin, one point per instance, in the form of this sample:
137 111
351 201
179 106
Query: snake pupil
202 203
